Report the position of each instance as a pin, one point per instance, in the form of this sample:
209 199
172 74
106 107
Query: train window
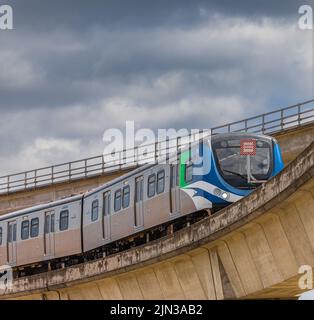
12 232
25 230
0 236
172 176
95 206
52 225
117 200
9 233
188 171
34 227
47 224
126 197
151 185
106 204
64 220
139 189
176 175
160 181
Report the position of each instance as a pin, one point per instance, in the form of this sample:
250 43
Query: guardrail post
263 123
136 155
103 164
25 180
8 184
35 178
156 152
190 147
299 115
124 156
52 174
178 149
70 173
167 150
281 119
85 167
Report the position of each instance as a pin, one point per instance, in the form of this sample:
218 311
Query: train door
138 202
174 189
49 238
11 243
106 225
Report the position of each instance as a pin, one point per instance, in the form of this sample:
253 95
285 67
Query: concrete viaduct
251 249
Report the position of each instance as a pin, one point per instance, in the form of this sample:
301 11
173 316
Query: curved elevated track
251 249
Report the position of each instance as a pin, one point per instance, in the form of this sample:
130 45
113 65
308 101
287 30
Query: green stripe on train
183 160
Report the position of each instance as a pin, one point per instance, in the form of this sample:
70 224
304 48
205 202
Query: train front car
232 166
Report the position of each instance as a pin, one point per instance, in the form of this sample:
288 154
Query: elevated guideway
251 249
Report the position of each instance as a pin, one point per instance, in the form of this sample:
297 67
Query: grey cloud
117 14
70 70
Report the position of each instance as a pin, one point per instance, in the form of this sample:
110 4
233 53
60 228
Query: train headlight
221 194
225 195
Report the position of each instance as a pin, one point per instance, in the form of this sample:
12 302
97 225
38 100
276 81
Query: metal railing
274 121
267 123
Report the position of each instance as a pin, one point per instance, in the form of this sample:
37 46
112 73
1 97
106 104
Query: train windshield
234 167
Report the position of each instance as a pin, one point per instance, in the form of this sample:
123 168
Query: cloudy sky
71 69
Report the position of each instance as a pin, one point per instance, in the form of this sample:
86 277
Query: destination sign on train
248 147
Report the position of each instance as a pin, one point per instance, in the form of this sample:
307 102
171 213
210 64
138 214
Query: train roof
241 134
40 207
119 179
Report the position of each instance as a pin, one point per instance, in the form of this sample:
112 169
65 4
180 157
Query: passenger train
141 205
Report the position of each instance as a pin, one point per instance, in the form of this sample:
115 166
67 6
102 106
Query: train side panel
30 250
92 230
68 241
32 237
147 208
